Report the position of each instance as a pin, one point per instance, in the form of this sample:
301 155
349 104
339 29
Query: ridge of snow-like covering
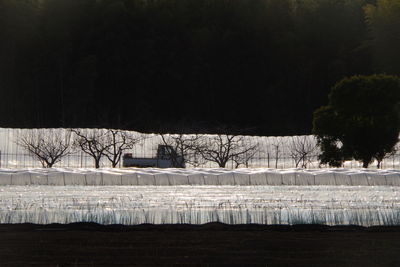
198 176
129 205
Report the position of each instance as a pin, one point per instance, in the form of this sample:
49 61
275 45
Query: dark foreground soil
86 244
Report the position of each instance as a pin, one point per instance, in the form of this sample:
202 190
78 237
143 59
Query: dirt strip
87 244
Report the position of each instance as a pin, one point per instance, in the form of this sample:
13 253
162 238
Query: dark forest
165 65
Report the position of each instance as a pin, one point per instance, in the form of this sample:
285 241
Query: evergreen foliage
361 121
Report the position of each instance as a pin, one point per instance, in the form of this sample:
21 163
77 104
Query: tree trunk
114 163
365 163
378 166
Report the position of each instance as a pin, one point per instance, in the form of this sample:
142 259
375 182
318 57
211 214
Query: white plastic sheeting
129 205
171 177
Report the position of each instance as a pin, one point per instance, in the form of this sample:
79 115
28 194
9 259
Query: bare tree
45 145
222 148
247 156
183 148
300 149
117 142
277 150
94 142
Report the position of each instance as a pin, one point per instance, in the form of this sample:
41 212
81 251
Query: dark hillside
265 65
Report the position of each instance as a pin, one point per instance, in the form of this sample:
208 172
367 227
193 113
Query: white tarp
168 177
331 205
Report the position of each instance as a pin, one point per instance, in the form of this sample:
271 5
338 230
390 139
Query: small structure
166 157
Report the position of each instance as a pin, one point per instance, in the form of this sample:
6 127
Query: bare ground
86 244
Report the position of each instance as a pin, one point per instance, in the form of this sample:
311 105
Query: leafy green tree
361 121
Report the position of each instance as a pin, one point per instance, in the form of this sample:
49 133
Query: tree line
263 65
342 131
49 148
